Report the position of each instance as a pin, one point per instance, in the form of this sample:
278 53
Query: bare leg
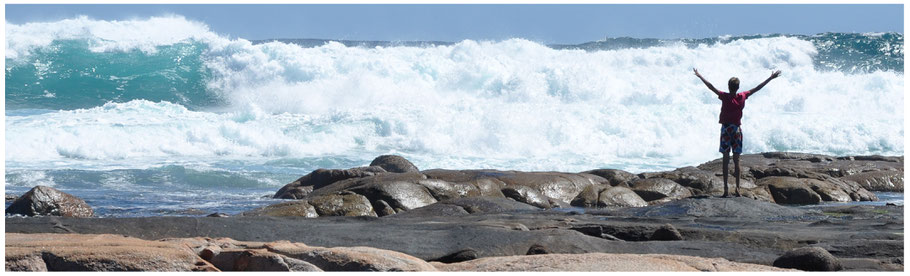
736 171
726 168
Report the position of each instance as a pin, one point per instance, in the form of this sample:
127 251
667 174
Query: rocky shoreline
391 216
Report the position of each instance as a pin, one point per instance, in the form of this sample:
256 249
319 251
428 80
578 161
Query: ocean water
163 116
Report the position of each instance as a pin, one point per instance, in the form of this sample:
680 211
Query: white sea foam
512 104
102 35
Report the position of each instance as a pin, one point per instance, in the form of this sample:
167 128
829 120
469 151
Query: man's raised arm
773 76
706 82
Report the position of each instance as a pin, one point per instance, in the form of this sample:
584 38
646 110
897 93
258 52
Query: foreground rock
74 252
602 262
47 201
863 238
78 252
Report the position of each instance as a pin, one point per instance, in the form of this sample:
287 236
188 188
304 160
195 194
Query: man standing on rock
731 112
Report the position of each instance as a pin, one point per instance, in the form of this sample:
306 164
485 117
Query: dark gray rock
382 208
375 180
479 205
828 191
433 210
443 190
877 158
700 181
615 177
47 201
561 186
394 163
658 188
790 190
588 197
400 195
321 178
467 205
538 250
716 207
342 204
620 196
296 208
809 259
884 180
458 256
666 233
526 195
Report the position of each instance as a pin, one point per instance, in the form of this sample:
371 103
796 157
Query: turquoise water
170 121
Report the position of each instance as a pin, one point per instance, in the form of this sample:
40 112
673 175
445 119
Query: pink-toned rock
350 258
602 262
83 252
259 260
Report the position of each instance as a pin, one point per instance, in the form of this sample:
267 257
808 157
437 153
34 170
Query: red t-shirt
731 109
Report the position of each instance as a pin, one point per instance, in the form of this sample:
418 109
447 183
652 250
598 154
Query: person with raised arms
731 113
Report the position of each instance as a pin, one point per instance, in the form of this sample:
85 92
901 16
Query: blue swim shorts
731 136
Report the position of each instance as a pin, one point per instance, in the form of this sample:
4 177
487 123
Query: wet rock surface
392 184
47 201
468 217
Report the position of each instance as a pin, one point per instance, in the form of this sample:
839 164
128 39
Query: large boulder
342 204
620 196
400 195
559 186
528 195
47 201
394 163
321 178
652 189
828 191
588 197
297 208
809 259
790 190
615 177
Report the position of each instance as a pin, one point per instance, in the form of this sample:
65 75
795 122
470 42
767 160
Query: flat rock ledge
604 262
105 252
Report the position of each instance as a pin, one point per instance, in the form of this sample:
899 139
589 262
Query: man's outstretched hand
699 75
773 75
